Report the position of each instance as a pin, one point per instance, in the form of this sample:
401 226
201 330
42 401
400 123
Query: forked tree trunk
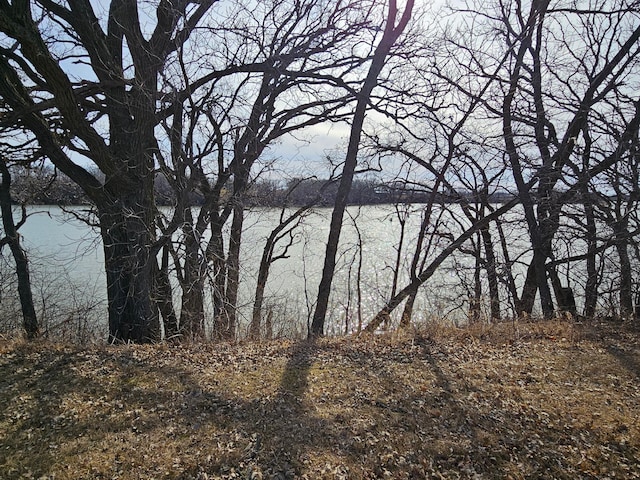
266 261
193 281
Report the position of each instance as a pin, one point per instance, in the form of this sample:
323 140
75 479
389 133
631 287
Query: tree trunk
511 283
29 319
427 272
529 291
263 275
492 274
193 280
407 311
164 296
225 323
216 257
626 278
285 226
475 300
128 253
538 274
389 37
591 284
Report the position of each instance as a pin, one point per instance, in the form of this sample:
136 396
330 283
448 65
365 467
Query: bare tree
268 71
391 34
552 94
284 232
298 69
108 117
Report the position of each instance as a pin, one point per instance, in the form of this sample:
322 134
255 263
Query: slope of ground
514 401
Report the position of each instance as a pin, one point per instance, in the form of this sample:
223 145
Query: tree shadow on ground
278 432
35 421
621 341
322 409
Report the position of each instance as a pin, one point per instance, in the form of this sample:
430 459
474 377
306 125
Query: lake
69 284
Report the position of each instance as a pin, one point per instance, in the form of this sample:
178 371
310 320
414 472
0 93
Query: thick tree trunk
626 278
129 257
529 291
407 311
193 280
591 284
216 257
225 323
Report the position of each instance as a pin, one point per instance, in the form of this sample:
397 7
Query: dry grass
545 400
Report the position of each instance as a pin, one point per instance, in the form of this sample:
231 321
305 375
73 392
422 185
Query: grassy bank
515 401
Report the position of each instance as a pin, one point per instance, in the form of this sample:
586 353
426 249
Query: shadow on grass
621 341
164 413
277 432
34 421
629 360
295 378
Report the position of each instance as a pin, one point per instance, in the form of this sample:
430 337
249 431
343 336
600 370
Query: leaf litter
543 400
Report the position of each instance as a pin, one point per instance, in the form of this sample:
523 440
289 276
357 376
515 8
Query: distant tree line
46 186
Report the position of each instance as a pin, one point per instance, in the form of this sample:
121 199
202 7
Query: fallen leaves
458 406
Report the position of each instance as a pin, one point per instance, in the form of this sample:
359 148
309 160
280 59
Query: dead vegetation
539 400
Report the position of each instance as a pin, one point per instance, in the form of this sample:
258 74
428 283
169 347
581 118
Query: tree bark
129 257
225 323
626 278
475 301
164 296
192 283
537 272
492 274
591 284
